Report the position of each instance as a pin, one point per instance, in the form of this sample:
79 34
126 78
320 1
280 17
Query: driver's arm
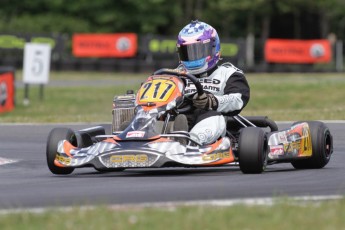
236 95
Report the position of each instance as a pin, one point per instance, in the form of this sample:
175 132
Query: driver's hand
205 101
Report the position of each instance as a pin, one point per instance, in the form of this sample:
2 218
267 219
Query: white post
250 43
339 56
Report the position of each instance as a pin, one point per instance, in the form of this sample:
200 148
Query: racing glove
205 101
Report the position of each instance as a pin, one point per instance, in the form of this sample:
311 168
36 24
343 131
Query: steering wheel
187 104
192 78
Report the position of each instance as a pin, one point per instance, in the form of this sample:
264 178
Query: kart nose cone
129 159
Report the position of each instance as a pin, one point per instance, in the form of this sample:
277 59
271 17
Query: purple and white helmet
198 47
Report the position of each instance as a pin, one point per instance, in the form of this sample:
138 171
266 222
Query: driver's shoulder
229 68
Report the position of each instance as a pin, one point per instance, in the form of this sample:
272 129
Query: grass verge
297 96
282 215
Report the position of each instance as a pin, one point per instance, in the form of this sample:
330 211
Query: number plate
156 90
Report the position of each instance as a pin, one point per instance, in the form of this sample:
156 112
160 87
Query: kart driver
226 88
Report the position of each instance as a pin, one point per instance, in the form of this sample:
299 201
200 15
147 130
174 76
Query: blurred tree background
232 18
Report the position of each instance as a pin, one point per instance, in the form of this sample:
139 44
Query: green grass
282 215
71 103
297 96
279 96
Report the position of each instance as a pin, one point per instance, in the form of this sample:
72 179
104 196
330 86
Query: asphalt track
27 182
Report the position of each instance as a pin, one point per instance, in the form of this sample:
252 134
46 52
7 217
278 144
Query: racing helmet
198 47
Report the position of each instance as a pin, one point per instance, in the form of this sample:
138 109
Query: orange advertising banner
297 51
120 45
6 92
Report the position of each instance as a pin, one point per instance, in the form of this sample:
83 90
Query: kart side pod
306 144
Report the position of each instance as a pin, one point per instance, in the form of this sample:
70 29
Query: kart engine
123 110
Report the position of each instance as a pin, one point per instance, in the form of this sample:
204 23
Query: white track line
4 161
268 201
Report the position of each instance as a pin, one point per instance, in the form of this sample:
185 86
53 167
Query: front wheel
252 146
322 147
55 136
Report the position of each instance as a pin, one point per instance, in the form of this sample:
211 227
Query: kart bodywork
147 132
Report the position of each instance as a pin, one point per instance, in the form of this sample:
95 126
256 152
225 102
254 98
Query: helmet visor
195 51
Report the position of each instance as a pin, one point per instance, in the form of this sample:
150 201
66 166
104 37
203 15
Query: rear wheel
252 150
55 136
322 147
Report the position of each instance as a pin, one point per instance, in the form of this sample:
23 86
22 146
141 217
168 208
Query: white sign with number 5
36 65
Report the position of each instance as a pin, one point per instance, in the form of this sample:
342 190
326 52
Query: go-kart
154 135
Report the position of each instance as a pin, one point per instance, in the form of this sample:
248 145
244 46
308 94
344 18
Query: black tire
252 146
322 147
56 135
